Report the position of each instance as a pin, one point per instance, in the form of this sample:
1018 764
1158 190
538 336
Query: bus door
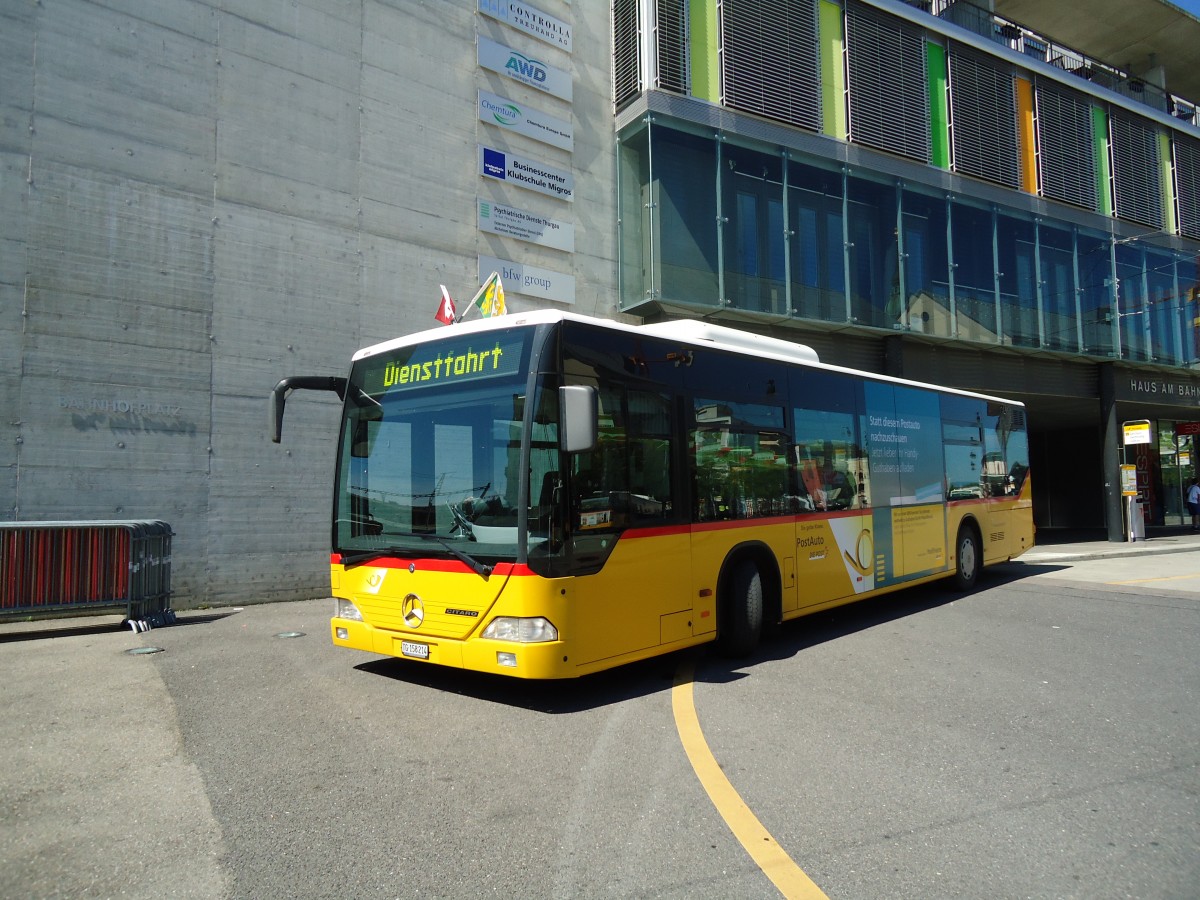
835 541
741 491
835 536
629 543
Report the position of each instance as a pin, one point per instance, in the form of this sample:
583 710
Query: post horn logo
413 611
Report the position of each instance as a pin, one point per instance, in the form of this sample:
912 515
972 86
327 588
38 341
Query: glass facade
711 222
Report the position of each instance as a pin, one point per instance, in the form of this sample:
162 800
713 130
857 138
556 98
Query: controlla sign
532 21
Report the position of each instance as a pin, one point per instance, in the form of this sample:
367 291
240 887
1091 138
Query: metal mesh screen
770 59
983 117
626 42
1137 190
1064 130
889 98
1187 184
671 39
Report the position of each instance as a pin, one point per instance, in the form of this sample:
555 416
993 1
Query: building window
685 199
872 253
974 271
754 240
926 265
818 263
1016 276
1095 293
1056 248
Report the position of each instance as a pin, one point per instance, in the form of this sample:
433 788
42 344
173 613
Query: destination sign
456 361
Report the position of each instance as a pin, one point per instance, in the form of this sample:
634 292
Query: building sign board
526 173
1137 432
525 120
1180 391
545 284
509 221
530 20
1129 481
526 69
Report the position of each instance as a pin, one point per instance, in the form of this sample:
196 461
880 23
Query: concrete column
1113 511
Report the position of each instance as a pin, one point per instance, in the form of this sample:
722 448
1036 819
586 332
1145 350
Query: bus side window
832 470
740 463
627 478
649 455
832 467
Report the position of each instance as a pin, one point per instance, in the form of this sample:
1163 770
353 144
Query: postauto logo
493 163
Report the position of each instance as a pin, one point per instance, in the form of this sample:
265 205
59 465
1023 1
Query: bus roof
688 331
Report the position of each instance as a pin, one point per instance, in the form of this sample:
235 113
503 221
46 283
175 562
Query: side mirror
279 395
579 416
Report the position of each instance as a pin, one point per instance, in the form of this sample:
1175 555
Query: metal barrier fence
65 567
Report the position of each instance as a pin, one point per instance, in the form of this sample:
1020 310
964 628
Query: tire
742 621
968 559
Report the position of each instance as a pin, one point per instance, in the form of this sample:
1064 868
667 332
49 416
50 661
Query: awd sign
526 69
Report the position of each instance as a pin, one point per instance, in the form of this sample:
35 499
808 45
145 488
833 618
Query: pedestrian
1193 502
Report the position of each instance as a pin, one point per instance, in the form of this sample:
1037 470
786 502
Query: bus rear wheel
742 619
968 558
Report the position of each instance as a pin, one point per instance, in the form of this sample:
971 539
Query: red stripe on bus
426 564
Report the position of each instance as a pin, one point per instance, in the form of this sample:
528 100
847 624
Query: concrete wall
197 199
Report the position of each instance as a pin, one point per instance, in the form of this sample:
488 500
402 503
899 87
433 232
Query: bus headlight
344 609
524 631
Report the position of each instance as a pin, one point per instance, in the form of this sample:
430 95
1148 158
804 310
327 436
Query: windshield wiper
480 569
359 557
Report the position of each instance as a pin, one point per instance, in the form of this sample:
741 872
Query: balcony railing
987 24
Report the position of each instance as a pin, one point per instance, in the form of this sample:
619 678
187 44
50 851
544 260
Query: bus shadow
56 628
629 682
800 634
642 679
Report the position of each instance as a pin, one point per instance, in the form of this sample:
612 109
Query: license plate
415 650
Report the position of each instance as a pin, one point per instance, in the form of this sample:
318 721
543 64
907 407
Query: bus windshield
431 451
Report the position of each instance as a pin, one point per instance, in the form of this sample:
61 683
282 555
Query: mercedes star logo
413 610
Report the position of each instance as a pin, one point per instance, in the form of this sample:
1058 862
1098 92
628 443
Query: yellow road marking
1163 578
788 877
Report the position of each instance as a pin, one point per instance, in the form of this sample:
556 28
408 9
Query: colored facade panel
1104 199
1167 180
833 73
939 114
1027 140
704 59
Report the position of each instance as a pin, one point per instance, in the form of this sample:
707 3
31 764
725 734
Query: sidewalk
1067 546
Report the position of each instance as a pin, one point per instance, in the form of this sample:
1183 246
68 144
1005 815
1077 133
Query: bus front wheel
968 558
742 620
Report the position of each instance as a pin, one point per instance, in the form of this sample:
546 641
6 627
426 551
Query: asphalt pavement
222 767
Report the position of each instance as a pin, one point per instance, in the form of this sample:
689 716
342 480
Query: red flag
446 312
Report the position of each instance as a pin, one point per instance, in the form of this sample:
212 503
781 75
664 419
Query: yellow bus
546 495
